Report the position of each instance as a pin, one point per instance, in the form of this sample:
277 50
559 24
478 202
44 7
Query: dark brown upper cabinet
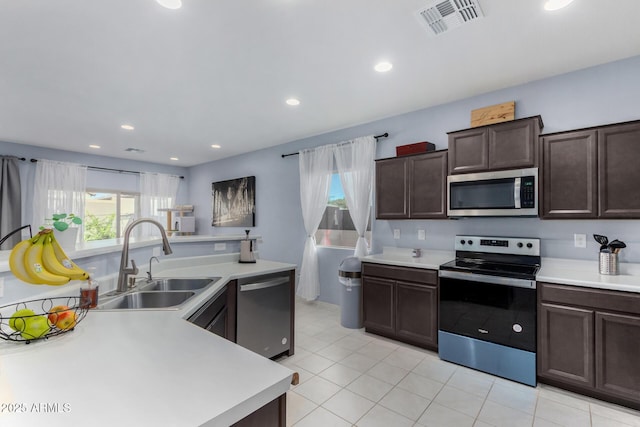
508 145
569 175
412 187
618 173
589 173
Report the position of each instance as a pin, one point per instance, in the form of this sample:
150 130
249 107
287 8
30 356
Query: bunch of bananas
40 260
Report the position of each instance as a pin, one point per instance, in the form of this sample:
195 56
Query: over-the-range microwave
499 193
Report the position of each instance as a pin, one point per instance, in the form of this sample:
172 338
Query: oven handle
495 280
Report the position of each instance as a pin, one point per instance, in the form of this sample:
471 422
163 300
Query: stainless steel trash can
350 276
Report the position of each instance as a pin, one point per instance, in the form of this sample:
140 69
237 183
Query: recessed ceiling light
292 101
556 4
173 158
127 127
94 146
170 4
215 146
383 67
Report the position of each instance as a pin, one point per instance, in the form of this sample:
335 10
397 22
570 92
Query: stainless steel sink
189 284
147 300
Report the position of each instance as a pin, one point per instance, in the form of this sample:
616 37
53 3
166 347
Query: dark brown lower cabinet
401 303
617 348
566 345
273 414
589 340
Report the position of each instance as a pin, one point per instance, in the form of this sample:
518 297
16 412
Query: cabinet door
378 301
514 144
417 313
392 189
619 175
428 186
617 345
468 151
566 344
569 175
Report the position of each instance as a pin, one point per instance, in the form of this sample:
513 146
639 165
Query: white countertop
586 273
430 259
142 367
554 270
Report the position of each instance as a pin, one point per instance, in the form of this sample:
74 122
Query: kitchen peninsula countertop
554 270
142 367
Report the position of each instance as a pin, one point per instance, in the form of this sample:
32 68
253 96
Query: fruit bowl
27 321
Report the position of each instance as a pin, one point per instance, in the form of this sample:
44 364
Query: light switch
580 240
396 233
156 251
421 234
219 246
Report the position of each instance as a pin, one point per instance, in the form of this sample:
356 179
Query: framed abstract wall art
234 202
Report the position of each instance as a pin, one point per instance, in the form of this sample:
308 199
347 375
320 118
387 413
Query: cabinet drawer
417 275
627 302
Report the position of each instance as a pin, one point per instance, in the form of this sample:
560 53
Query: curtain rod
384 135
108 169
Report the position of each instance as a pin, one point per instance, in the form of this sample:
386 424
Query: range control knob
462 242
519 244
470 242
529 245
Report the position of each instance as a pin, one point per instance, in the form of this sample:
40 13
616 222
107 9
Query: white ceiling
219 71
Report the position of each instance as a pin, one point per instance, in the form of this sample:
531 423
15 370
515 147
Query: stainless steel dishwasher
264 314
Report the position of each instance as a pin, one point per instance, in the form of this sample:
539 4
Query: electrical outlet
396 233
220 247
421 234
580 240
1 287
156 251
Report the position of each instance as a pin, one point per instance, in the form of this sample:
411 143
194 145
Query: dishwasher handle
264 285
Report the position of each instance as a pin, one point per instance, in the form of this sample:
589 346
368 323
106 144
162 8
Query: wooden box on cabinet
508 145
401 303
588 173
588 341
412 187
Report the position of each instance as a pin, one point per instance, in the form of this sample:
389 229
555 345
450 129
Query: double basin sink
166 293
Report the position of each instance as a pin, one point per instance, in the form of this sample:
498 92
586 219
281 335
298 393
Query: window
336 228
107 213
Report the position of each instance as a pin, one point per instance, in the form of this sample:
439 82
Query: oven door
495 309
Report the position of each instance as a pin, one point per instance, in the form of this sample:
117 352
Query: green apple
37 327
20 318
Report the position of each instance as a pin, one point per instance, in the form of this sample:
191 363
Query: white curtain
355 162
157 191
316 167
59 187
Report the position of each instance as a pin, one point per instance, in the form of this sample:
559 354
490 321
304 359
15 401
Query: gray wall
604 94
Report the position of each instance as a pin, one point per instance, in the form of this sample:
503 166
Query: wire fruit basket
27 321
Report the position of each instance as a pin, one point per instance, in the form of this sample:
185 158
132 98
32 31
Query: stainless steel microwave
499 193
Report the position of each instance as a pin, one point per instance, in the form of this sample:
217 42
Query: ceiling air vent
441 16
134 150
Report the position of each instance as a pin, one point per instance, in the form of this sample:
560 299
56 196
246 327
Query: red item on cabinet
416 148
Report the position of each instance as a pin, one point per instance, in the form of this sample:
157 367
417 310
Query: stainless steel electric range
488 306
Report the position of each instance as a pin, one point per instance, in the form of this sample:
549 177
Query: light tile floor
352 378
